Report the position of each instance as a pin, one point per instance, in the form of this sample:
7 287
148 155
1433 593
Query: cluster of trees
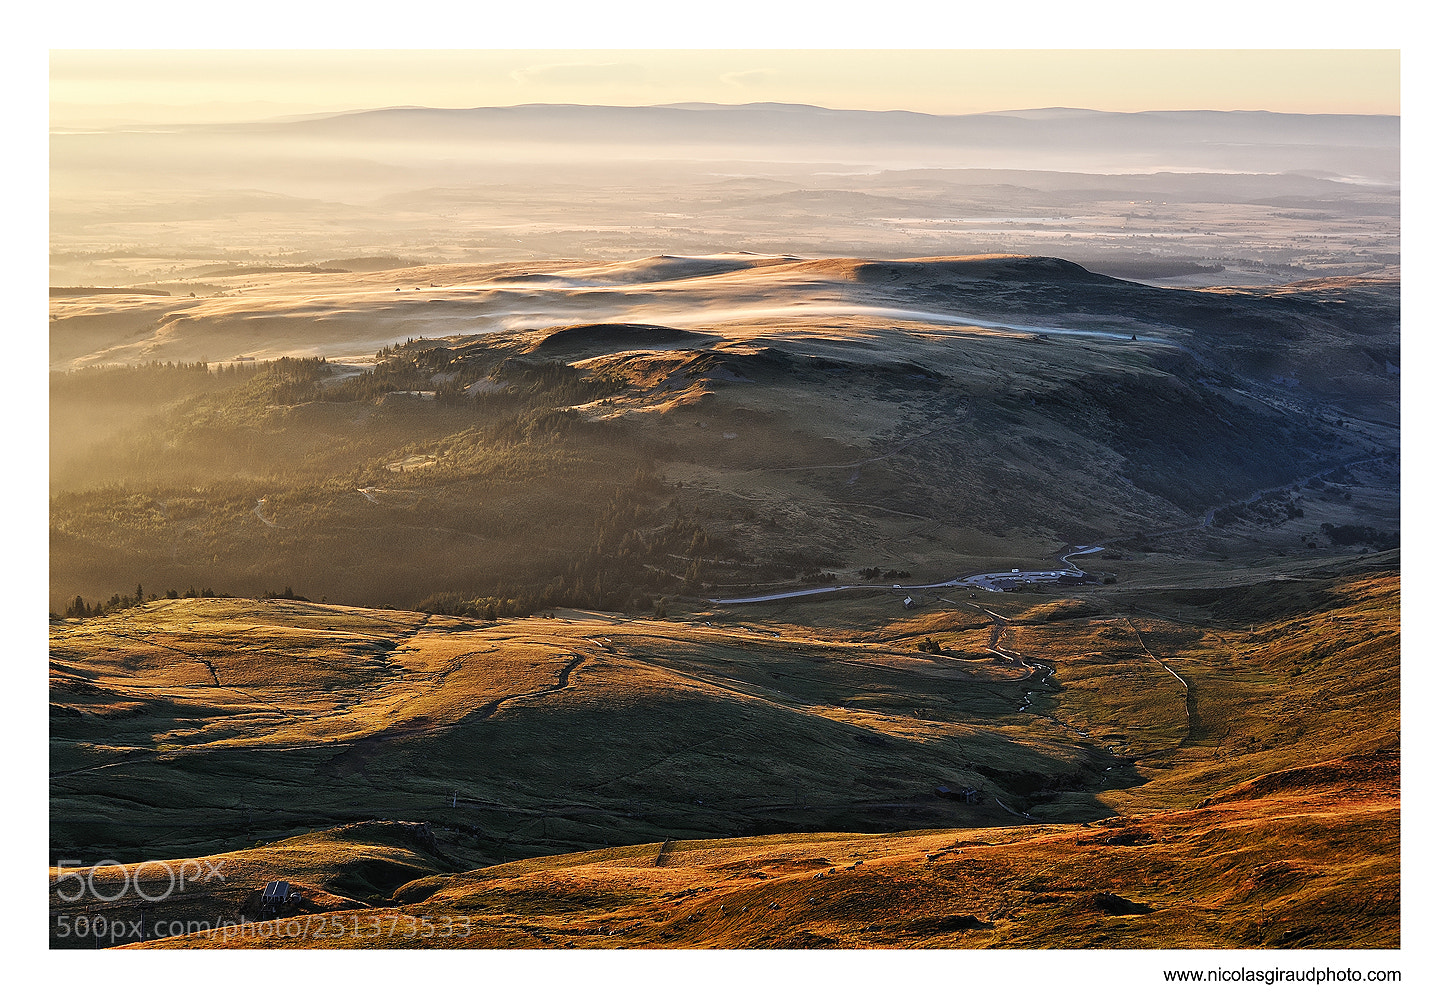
455 604
1271 508
79 608
119 602
448 372
525 448
290 380
640 557
637 552
819 578
554 383
372 385
624 543
395 350
617 571
153 382
874 572
1361 534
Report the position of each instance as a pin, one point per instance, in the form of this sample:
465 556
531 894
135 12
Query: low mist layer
1179 197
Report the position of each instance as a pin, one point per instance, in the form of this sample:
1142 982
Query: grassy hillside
1202 767
1316 869
226 721
610 465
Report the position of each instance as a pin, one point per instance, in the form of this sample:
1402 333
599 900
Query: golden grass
1254 803
1271 872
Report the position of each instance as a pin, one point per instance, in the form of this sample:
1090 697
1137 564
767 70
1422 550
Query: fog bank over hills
1201 197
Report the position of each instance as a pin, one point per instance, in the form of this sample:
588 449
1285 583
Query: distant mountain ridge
1361 146
1337 128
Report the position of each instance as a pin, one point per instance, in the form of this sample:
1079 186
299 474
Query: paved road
992 581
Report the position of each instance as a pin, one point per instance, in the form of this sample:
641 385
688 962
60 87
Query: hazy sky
181 84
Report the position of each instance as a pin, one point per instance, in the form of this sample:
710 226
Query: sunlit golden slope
1203 768
1316 868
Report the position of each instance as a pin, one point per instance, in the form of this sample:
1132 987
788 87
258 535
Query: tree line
79 607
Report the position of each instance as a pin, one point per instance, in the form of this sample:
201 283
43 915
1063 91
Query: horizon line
673 105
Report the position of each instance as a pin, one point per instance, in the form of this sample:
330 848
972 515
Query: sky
96 86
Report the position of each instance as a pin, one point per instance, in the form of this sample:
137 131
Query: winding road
990 581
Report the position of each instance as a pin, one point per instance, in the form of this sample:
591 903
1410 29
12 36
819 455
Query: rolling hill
1190 767
722 421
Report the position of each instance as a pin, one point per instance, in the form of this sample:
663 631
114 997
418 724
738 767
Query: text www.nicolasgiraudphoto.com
1272 976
